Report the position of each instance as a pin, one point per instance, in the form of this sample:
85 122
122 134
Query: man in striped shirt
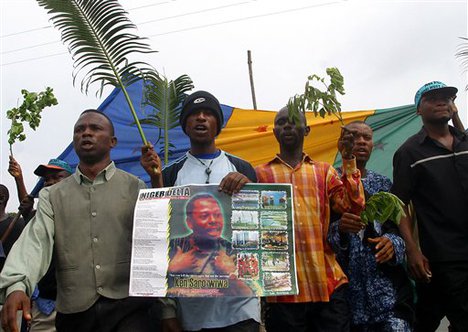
321 304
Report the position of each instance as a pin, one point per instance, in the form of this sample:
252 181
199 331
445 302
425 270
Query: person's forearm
406 231
21 188
352 197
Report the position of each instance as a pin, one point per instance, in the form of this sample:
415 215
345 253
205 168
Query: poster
196 241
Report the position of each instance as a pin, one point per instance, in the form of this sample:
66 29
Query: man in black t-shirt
430 169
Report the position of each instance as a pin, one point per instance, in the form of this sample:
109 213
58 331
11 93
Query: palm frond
99 38
166 98
462 53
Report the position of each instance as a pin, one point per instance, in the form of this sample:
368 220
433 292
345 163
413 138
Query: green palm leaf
99 38
166 98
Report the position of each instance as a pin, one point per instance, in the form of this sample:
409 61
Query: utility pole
252 89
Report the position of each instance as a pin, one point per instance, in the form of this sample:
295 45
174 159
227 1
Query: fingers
233 183
4 319
27 309
26 204
146 148
346 143
350 223
15 301
224 263
418 271
427 269
14 168
182 261
384 248
150 160
418 266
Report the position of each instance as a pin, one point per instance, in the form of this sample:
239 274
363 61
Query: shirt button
94 214
95 239
298 204
99 289
98 267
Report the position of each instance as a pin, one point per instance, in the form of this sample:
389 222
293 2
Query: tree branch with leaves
321 102
30 112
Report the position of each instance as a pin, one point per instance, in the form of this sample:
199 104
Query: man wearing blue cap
51 173
430 170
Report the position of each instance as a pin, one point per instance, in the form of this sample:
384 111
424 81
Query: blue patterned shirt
371 294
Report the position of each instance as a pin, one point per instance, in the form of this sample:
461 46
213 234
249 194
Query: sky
385 50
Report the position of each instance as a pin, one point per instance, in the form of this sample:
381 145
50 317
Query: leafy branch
30 112
320 102
381 207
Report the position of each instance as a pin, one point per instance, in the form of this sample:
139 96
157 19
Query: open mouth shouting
200 129
87 144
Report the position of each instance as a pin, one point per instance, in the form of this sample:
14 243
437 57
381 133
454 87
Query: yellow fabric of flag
249 135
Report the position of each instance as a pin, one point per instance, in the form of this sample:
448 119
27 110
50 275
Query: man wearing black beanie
201 119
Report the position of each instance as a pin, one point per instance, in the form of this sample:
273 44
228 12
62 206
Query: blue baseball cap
54 164
435 85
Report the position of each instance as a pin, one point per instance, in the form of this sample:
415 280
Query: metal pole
252 89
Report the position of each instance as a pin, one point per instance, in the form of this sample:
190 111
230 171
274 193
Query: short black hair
359 122
5 193
301 114
91 110
189 207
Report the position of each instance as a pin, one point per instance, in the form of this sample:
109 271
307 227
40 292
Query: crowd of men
69 267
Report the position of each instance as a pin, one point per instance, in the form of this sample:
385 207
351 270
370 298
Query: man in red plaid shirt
321 304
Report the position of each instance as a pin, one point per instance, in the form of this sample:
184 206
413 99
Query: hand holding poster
196 241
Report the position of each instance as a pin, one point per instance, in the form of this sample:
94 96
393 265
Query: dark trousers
107 315
445 295
249 325
310 316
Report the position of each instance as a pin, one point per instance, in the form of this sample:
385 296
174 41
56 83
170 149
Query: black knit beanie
204 100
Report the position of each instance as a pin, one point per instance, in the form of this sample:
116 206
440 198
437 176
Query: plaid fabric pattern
317 187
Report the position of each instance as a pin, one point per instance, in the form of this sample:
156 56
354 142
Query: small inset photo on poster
277 281
273 200
275 261
274 219
247 266
245 240
275 240
246 200
246 219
